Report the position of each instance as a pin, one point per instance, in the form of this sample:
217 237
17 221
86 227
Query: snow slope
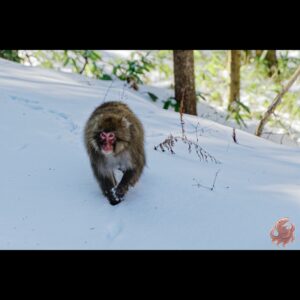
50 200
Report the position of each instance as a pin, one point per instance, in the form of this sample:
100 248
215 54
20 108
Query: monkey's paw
114 197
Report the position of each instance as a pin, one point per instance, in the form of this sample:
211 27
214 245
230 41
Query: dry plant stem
169 143
215 179
213 185
197 132
123 91
275 103
108 90
234 136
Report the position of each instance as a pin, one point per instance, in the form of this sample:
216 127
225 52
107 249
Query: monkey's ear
125 122
97 121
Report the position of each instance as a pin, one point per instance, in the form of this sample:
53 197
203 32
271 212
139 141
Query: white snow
50 200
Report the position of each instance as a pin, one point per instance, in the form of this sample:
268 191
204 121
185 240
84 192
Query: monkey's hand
114 197
121 190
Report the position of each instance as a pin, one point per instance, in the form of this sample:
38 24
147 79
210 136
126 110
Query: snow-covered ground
50 200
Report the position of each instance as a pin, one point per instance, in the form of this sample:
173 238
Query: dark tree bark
272 62
234 70
184 75
258 52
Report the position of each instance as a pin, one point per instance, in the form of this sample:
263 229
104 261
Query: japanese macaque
114 139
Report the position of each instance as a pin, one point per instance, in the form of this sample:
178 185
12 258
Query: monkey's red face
107 140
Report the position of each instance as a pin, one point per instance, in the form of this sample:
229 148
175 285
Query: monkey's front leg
106 183
108 186
123 186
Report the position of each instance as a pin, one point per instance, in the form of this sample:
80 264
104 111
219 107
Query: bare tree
275 103
184 76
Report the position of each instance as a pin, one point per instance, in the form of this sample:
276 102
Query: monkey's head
107 141
112 134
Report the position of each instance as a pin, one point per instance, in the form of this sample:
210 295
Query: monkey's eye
107 136
111 136
103 135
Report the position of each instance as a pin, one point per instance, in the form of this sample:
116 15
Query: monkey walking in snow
114 139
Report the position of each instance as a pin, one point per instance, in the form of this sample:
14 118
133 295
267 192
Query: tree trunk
258 53
272 62
184 77
234 70
275 103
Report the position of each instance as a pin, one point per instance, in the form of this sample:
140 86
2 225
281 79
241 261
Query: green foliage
163 61
238 111
290 105
167 103
171 102
152 96
133 69
210 75
10 55
88 62
257 89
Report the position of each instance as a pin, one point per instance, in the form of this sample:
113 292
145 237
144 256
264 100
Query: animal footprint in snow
280 233
113 230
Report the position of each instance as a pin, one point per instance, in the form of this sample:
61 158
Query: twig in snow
197 132
234 135
213 185
169 143
235 140
108 90
201 131
281 140
123 90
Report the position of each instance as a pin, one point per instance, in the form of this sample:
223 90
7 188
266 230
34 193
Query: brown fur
128 153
